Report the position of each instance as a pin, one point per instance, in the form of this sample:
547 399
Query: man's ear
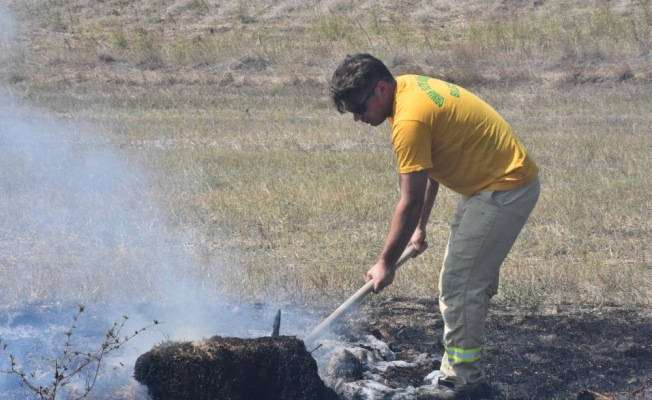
383 87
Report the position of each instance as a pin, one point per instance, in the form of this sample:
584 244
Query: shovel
353 301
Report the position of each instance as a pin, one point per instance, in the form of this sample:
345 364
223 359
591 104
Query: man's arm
406 218
419 237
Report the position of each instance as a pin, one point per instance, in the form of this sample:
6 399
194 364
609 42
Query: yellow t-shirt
467 146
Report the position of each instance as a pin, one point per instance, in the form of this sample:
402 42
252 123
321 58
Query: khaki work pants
483 230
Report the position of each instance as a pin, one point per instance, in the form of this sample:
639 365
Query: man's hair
356 74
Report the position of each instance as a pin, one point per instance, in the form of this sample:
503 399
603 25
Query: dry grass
271 194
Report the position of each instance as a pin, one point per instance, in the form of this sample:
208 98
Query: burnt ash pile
369 370
232 368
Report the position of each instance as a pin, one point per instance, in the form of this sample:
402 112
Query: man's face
371 107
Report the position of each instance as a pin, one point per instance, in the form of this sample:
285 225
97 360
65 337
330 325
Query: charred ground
532 352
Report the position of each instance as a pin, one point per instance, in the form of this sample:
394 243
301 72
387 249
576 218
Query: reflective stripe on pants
462 355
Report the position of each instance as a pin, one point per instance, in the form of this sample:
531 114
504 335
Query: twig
365 32
600 396
428 42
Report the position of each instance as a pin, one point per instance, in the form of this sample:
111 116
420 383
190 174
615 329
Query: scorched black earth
538 352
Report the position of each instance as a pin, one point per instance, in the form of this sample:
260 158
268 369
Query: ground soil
531 352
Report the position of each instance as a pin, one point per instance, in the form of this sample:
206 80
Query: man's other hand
418 240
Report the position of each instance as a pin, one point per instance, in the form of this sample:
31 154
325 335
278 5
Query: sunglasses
362 107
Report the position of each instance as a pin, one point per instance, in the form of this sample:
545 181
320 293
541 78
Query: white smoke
74 223
8 28
78 224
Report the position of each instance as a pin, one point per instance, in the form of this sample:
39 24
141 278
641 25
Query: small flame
73 396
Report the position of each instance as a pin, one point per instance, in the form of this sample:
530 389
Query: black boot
445 391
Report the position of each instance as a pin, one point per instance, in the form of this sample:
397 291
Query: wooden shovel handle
353 300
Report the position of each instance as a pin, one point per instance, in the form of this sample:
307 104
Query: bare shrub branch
72 363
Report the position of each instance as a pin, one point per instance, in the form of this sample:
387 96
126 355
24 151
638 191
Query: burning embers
232 368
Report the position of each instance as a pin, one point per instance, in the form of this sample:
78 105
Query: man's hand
382 274
418 240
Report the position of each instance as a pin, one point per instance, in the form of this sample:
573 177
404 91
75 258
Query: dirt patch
232 368
555 352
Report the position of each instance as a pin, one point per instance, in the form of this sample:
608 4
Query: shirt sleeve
412 144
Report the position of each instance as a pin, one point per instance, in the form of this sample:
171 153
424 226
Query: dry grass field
235 170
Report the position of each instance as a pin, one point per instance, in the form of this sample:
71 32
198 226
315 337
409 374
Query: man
443 134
